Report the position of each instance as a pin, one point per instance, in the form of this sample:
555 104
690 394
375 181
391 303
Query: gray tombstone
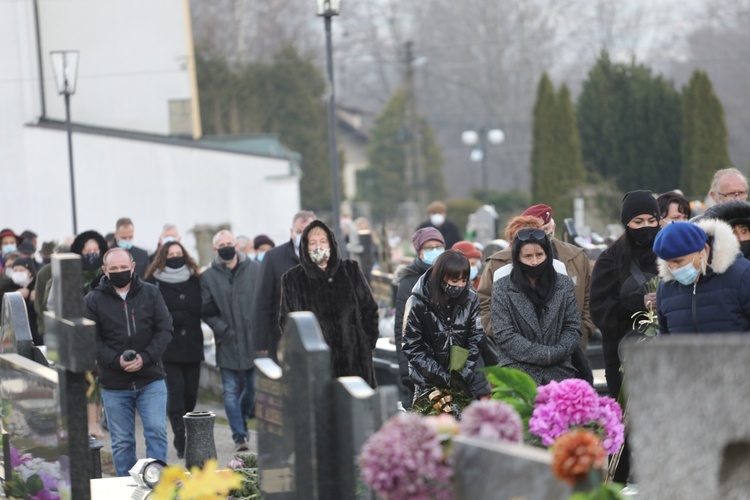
485 222
503 470
690 432
16 331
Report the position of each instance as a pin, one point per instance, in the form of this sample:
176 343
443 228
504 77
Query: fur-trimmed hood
725 249
311 268
415 268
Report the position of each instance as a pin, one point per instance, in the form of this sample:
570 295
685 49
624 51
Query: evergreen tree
704 135
543 141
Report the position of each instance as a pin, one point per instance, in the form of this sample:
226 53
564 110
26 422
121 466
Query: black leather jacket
430 330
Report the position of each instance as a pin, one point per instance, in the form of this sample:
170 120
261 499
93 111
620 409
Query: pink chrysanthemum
571 403
491 419
404 460
236 463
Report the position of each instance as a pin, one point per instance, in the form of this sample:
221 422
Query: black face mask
227 253
453 291
91 261
643 236
120 279
745 247
175 262
532 271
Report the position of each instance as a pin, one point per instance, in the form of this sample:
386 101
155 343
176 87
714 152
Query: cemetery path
222 438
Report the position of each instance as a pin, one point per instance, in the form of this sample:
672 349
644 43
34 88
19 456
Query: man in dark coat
337 292
124 230
276 262
133 329
227 289
436 211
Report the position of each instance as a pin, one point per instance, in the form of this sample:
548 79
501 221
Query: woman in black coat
175 273
442 312
337 292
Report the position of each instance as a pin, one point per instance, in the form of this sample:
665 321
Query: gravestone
689 425
503 470
310 426
485 222
16 333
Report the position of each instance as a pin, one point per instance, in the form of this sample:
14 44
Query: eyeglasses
527 234
436 247
736 195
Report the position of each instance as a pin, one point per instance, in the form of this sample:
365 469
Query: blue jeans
120 406
239 406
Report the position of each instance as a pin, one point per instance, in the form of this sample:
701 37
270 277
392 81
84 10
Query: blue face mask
473 273
126 244
686 274
9 248
431 255
259 256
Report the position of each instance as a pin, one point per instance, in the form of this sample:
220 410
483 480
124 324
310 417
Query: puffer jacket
140 322
430 330
719 301
404 279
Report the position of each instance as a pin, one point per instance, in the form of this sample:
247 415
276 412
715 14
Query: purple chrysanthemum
236 463
404 459
492 419
571 403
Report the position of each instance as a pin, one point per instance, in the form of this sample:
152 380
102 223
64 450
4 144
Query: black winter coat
140 322
277 261
183 300
430 330
404 280
343 304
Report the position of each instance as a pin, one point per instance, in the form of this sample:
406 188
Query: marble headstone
485 221
689 406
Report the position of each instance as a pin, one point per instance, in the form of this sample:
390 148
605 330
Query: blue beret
679 239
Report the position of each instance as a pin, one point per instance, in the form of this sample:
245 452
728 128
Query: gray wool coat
227 307
542 346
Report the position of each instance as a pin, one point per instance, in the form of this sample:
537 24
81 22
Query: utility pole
415 175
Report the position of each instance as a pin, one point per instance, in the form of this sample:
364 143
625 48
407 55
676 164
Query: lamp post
65 65
327 9
480 139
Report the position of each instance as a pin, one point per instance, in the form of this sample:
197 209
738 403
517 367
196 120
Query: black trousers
182 394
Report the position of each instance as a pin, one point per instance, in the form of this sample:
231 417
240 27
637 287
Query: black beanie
636 203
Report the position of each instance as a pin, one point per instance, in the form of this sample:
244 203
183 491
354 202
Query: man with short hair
124 231
437 213
276 262
227 289
168 234
245 245
133 329
576 263
728 184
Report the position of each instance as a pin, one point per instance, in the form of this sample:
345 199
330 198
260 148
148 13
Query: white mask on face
437 219
21 278
168 239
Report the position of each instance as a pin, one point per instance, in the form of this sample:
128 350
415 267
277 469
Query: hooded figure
737 214
337 292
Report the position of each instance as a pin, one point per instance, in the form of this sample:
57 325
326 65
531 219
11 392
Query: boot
92 410
178 427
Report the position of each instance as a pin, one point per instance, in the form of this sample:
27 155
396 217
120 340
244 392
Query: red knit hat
541 211
467 248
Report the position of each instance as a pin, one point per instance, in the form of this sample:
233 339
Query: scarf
169 275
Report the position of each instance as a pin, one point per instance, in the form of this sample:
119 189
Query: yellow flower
209 483
169 482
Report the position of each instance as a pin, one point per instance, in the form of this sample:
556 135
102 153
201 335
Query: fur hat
679 239
425 234
636 203
734 212
468 249
541 211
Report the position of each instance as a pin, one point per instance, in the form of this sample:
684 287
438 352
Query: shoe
241 446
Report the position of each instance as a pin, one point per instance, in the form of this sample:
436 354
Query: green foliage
630 125
282 97
605 491
250 484
515 388
704 135
382 183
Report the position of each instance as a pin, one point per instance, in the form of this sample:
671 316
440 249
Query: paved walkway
222 439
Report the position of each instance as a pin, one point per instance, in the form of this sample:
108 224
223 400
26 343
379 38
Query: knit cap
425 234
467 248
636 203
679 239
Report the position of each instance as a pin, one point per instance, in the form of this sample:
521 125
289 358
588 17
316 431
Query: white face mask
21 278
437 219
168 239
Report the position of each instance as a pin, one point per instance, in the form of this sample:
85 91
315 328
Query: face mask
745 247
437 219
686 274
473 273
532 271
126 244
120 279
259 256
226 253
9 248
168 239
452 291
320 255
297 240
175 262
21 278
431 255
91 261
643 236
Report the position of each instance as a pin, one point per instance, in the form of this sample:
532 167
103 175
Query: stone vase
199 438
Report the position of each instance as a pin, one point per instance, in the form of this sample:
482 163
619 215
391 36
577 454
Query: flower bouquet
452 399
199 484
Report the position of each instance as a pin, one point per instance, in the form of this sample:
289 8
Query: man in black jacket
277 261
436 211
133 328
124 230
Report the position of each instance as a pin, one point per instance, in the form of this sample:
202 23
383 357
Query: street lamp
65 65
327 9
480 139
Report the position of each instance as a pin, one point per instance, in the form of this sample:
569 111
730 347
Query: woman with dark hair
443 312
673 207
535 316
175 273
737 214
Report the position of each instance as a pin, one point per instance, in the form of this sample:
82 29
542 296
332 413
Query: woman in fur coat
336 291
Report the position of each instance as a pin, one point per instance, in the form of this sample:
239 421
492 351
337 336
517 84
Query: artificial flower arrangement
35 478
647 322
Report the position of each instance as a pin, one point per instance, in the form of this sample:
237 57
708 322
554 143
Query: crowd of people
532 306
